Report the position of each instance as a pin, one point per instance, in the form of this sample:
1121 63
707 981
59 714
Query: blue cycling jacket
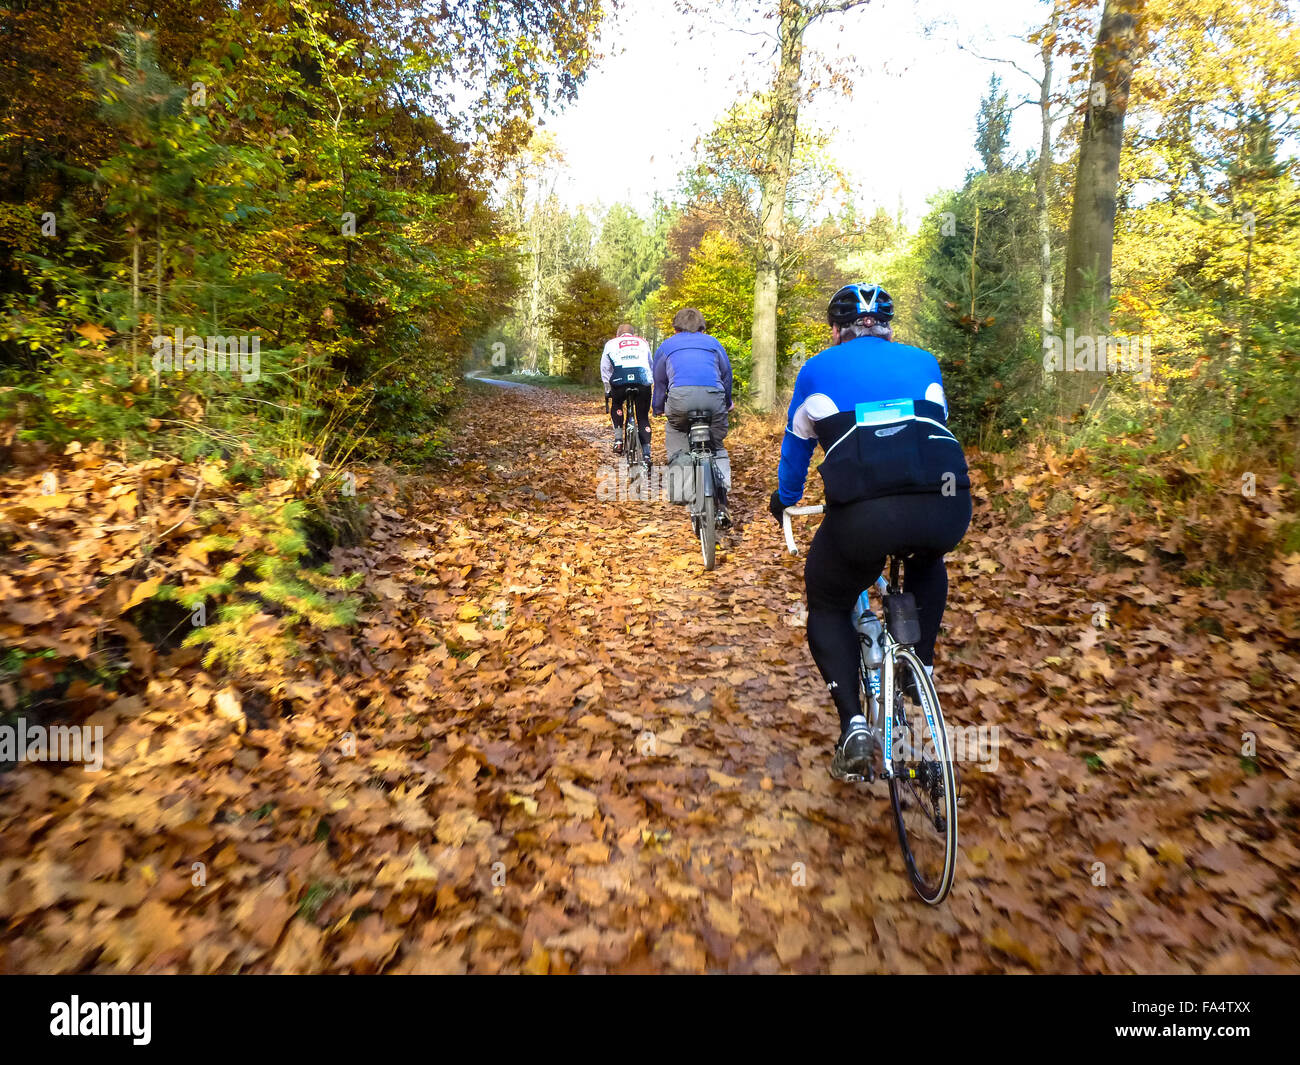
879 412
686 359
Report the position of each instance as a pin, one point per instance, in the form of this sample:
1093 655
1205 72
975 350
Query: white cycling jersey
625 361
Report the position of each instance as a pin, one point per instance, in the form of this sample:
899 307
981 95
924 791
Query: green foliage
193 212
719 281
584 318
978 299
265 593
630 252
993 126
288 173
283 178
1207 240
551 242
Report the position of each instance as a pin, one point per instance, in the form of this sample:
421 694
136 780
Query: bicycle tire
708 517
905 796
631 439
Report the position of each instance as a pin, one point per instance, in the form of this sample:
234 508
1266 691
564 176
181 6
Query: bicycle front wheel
923 786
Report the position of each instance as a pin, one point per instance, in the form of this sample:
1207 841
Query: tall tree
793 19
630 253
1092 219
533 212
584 317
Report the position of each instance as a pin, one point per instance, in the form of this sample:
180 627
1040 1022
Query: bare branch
998 59
833 7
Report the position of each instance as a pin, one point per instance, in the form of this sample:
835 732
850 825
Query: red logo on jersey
630 342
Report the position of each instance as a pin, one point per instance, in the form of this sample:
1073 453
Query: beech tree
1092 218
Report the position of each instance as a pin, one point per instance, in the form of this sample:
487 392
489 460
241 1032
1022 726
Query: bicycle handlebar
880 582
785 524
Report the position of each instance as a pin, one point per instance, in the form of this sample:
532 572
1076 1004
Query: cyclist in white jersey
624 364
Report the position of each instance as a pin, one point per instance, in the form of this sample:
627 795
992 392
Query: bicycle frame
704 505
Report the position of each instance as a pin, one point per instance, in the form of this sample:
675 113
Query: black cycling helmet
854 301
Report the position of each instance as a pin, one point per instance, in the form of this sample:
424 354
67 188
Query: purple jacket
686 359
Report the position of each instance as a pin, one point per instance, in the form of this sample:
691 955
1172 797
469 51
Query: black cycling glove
775 507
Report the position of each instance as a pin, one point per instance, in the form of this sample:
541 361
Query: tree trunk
1092 218
135 298
1242 354
535 308
533 336
773 183
1044 177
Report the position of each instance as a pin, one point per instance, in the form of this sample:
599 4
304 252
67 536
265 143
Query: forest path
650 744
554 743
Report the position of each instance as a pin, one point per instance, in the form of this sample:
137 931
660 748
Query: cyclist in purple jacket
692 372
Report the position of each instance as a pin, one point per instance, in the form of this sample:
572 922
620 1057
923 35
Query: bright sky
908 131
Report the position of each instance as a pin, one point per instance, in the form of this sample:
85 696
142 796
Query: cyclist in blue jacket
692 372
896 483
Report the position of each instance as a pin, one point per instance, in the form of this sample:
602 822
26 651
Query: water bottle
870 632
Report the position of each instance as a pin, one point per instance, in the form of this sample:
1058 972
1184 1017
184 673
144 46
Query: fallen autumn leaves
556 744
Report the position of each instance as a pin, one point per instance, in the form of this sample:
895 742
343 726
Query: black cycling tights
642 404
848 554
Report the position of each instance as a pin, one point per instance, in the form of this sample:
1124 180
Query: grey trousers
678 405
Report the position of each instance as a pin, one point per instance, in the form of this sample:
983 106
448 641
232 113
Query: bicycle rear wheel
631 441
923 788
708 516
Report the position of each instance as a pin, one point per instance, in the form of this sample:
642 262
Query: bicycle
911 742
704 506
631 434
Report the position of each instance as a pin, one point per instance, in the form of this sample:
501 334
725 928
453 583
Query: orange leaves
368 946
229 708
467 633
547 748
263 912
140 592
411 870
724 917
1288 569
94 333
153 936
